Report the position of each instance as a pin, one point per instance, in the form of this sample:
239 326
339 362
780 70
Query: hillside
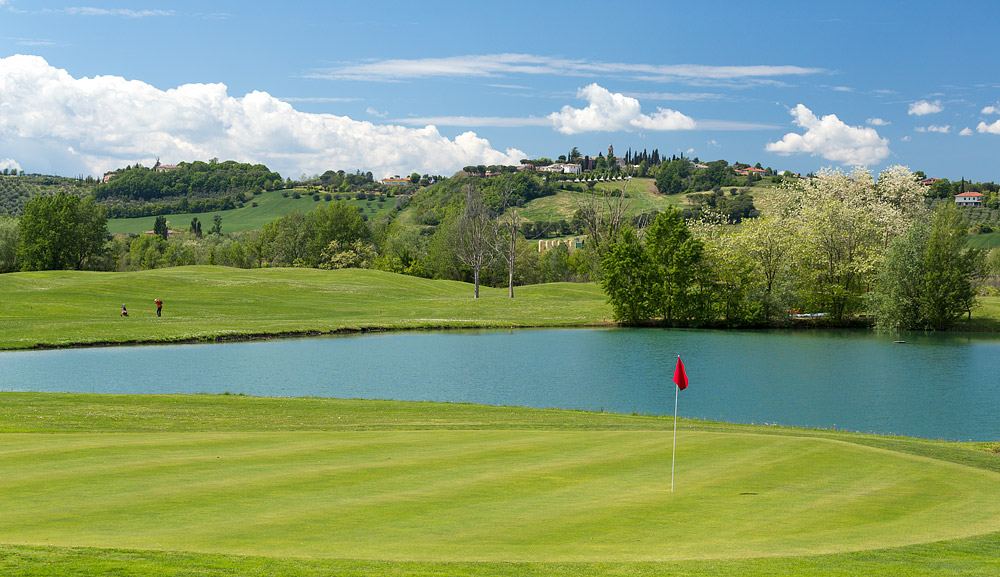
262 208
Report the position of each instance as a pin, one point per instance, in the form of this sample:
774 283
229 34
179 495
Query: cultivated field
226 485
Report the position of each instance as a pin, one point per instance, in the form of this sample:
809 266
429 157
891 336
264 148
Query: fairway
482 495
62 308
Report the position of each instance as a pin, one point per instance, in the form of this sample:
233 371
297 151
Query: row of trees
838 246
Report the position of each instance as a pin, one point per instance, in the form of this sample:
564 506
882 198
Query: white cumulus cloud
8 163
984 128
611 112
102 123
832 139
877 122
991 109
934 128
923 107
966 131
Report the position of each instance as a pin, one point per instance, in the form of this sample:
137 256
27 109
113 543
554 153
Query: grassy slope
60 308
271 205
471 491
985 241
563 204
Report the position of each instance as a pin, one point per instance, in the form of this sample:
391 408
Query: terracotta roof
970 194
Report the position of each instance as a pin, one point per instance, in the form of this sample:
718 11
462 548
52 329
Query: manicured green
62 308
230 485
270 206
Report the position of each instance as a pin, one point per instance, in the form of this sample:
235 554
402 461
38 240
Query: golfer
159 306
124 312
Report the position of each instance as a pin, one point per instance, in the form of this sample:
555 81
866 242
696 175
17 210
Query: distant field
271 205
229 485
984 241
564 204
60 308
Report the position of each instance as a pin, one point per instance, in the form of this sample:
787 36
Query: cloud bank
102 123
612 112
832 139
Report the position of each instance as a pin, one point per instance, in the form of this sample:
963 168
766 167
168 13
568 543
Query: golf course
170 485
232 485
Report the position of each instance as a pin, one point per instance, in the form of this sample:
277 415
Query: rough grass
228 485
62 308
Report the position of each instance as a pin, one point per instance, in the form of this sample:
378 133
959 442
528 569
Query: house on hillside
166 167
395 181
969 199
929 181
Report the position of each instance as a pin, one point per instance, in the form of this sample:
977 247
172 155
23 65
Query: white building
969 199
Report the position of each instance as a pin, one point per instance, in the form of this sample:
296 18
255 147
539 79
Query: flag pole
673 454
681 380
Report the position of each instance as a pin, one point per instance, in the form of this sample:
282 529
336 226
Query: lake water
934 386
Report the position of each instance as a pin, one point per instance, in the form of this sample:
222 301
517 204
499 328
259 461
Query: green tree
61 232
672 177
926 279
949 268
216 225
673 252
160 227
628 279
337 221
10 238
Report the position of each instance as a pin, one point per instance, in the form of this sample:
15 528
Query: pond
934 386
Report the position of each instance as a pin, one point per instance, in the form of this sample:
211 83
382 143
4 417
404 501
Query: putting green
482 495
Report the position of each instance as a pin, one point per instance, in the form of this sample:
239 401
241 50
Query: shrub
296 195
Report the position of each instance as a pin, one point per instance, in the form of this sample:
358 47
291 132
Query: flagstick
673 455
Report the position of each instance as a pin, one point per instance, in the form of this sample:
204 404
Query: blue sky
397 87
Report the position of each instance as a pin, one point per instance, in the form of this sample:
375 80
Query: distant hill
17 190
193 187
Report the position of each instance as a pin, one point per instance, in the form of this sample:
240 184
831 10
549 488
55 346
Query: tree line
832 248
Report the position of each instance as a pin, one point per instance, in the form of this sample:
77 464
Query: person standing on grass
159 306
124 312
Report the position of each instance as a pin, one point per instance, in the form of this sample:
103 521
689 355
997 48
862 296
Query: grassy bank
62 308
229 485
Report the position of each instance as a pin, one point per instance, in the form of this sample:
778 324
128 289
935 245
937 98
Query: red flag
680 377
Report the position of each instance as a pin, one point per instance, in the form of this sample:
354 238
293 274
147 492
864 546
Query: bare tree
475 233
507 226
604 212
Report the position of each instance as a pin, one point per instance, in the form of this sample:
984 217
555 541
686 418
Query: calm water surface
934 386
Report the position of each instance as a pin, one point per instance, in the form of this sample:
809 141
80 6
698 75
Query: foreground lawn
228 485
65 308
